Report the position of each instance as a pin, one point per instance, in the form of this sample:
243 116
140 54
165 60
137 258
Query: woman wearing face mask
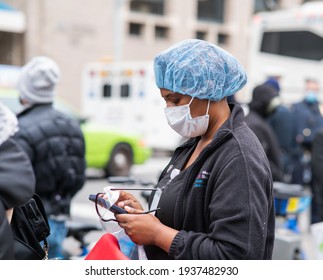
215 195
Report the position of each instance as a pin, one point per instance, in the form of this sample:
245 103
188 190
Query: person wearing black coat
317 179
17 180
307 118
256 119
54 143
280 118
214 199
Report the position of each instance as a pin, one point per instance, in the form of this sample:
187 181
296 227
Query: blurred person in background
215 195
259 111
317 177
307 114
54 143
307 119
280 119
274 82
17 180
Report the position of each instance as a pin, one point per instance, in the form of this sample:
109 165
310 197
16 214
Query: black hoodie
256 120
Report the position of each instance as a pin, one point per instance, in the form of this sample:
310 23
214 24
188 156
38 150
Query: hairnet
199 69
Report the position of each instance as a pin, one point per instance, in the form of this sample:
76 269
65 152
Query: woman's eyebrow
172 95
168 95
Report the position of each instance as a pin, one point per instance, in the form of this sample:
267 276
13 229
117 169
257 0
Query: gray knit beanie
38 80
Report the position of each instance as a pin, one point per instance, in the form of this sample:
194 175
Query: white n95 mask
179 118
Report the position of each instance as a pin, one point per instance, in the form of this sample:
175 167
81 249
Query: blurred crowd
291 136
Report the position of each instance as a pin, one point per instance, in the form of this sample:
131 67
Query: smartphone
104 203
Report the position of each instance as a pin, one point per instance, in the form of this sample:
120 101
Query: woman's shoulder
13 160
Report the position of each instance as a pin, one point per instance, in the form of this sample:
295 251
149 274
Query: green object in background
106 148
321 247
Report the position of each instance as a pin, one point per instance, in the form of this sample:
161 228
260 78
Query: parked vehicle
107 148
124 95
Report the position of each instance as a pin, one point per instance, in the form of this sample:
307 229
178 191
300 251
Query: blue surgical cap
273 83
199 69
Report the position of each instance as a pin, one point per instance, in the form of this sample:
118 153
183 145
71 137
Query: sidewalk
307 238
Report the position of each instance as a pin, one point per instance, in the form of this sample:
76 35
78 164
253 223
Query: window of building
265 5
135 29
299 44
161 32
200 35
210 10
11 48
125 91
223 38
148 6
107 91
6 43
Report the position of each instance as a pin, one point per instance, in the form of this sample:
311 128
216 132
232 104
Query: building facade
75 32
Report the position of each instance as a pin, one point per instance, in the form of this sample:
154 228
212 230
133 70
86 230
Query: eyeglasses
104 209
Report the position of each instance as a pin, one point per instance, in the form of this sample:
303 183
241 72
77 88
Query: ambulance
124 95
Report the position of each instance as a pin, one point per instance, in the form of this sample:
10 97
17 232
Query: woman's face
174 99
198 107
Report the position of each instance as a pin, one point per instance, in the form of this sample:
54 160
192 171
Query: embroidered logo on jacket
201 179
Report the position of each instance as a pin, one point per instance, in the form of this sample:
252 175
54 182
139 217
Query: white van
124 95
288 44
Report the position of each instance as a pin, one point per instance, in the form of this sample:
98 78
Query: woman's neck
219 112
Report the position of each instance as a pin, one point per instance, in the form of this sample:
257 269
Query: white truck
287 44
124 95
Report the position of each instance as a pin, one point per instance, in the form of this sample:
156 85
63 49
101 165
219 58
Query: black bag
30 227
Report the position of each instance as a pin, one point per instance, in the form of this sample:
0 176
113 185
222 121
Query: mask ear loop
190 101
208 107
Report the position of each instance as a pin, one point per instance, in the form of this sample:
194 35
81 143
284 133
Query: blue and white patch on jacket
201 179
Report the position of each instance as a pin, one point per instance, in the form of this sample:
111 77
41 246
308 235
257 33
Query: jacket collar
27 109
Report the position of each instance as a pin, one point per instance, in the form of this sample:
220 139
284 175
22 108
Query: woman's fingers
132 210
128 203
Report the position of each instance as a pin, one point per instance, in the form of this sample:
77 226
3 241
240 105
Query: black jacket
224 205
268 141
257 120
307 120
55 145
17 185
317 183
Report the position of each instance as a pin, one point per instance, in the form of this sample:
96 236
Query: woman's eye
176 101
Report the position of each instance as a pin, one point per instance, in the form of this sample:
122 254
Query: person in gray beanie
54 143
38 80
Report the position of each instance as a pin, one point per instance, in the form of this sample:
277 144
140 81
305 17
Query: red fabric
107 248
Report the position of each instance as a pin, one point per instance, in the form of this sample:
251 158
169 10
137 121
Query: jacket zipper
197 165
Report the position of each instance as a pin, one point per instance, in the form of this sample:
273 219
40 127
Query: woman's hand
141 228
146 229
127 199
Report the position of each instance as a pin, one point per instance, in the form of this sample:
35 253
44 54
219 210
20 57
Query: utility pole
118 29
